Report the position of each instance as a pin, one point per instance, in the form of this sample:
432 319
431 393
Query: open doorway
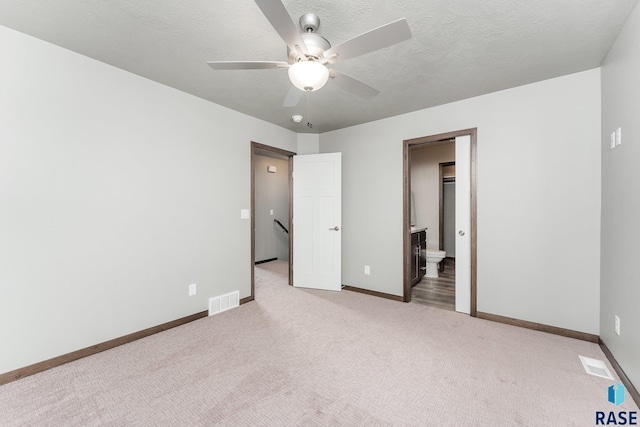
433 223
466 227
271 208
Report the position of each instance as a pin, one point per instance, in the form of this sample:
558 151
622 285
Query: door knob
460 233
336 228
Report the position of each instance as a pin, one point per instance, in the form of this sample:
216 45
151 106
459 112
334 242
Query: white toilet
433 258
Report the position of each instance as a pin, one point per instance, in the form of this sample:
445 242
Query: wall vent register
224 302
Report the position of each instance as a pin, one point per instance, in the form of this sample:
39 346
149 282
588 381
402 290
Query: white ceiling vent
595 367
224 302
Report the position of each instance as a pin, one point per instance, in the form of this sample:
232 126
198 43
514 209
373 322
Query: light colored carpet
305 357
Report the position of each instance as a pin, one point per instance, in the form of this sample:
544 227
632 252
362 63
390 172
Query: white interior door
317 221
463 224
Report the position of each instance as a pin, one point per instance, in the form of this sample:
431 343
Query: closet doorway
447 209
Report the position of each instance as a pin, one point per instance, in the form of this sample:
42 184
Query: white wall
620 277
308 143
538 195
425 185
116 192
272 194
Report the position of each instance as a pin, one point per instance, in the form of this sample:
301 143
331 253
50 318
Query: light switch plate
244 214
613 140
618 136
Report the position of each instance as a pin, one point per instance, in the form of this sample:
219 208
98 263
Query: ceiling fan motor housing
309 23
316 44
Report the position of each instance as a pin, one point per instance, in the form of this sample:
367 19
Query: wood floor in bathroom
440 292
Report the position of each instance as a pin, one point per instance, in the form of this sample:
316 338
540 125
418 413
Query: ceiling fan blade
378 38
352 85
247 65
293 97
281 21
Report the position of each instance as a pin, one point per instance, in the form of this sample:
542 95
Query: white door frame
406 238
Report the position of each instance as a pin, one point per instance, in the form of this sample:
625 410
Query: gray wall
116 193
272 193
425 184
620 277
308 143
545 138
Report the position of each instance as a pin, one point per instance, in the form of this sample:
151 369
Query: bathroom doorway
432 173
464 247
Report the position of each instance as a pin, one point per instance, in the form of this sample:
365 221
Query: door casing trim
406 200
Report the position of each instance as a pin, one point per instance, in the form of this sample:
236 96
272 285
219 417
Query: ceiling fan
310 55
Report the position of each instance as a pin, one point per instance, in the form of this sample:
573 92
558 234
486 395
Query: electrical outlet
617 325
192 289
367 270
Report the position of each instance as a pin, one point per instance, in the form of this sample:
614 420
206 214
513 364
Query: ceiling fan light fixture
308 75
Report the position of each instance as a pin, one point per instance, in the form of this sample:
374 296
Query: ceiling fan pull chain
309 109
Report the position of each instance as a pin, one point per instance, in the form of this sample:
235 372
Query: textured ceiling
459 49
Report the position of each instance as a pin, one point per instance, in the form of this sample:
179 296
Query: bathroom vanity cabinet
418 255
